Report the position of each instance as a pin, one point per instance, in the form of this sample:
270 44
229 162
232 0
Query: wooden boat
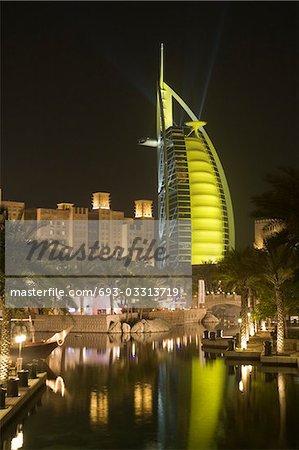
41 349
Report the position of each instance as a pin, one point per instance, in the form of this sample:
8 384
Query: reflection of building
263 229
143 400
191 184
99 408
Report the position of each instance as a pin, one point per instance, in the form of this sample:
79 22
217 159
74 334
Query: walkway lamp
20 338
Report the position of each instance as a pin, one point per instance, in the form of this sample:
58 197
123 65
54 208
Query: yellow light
143 400
99 408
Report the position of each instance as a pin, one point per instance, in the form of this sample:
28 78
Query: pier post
2 397
13 387
268 348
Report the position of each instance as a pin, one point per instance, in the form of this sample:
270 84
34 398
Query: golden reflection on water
143 401
99 408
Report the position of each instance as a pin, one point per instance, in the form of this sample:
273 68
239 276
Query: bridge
212 300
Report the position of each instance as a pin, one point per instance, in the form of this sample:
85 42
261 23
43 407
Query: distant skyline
78 91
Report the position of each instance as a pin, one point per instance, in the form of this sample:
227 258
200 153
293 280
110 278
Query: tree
6 312
237 272
277 263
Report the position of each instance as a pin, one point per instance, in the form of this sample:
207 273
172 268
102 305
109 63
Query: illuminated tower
101 200
143 209
192 186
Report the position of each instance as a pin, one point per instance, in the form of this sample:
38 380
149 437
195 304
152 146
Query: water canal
157 393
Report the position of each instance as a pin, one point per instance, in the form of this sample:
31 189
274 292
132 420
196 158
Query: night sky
78 91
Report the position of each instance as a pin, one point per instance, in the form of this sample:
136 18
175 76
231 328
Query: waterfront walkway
14 404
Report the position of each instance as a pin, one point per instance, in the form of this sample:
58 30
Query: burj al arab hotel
192 187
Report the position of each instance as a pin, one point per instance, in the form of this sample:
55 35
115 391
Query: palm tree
237 272
277 263
6 312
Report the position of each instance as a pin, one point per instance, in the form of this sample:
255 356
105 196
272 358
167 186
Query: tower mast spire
161 66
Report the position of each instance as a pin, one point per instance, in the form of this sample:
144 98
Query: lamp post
20 338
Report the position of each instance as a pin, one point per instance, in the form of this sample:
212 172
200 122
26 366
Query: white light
20 338
243 343
17 442
240 320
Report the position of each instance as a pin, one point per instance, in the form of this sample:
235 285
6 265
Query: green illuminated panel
206 206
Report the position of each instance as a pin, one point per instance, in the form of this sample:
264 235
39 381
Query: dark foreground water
158 394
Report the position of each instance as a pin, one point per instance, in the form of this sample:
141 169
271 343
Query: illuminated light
17 441
59 386
170 345
263 325
178 342
240 320
241 386
251 329
207 391
143 400
143 208
99 408
20 338
243 343
101 200
115 353
153 345
133 350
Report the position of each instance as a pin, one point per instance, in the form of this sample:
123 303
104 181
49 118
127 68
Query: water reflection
143 400
99 407
159 392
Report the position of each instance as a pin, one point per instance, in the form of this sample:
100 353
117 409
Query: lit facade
265 228
192 186
73 225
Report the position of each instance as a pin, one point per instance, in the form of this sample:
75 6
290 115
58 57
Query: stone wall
81 324
179 316
100 324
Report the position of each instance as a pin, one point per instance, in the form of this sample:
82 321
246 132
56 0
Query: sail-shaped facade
192 186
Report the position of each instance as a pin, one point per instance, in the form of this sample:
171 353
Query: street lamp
20 338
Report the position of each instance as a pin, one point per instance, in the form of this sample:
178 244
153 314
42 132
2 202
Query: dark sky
78 91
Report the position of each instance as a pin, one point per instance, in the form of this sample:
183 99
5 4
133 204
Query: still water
160 392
